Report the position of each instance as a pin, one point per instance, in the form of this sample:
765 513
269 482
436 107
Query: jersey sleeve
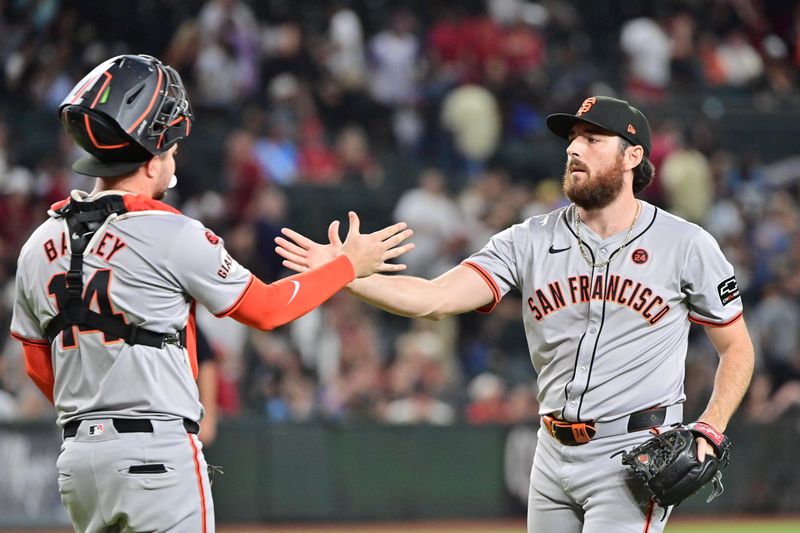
497 263
708 281
204 268
24 324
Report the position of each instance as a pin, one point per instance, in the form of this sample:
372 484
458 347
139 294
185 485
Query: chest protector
83 220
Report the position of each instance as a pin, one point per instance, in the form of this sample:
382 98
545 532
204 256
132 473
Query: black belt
651 418
577 433
130 425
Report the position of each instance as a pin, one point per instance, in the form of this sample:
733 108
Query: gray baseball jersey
149 265
609 341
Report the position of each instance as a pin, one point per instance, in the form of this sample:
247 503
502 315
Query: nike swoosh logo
554 250
296 288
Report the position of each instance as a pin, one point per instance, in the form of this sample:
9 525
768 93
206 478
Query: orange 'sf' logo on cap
631 129
586 105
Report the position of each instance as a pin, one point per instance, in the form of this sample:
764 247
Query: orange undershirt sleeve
266 306
39 365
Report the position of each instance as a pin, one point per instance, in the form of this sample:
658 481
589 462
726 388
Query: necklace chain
592 264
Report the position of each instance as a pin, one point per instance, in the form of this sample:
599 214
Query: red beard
597 189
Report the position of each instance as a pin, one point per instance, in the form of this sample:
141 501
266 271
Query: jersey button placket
580 382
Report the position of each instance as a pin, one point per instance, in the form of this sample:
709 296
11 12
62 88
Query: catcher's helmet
127 110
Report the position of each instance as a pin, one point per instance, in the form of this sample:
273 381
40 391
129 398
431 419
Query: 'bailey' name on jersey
54 251
580 289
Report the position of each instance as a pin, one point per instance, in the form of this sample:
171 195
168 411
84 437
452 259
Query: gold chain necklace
579 222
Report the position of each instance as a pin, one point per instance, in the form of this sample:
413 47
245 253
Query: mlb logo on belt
95 430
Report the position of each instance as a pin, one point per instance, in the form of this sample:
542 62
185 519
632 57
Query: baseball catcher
668 465
105 298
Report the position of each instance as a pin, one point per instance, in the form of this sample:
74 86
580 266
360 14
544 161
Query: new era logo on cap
616 116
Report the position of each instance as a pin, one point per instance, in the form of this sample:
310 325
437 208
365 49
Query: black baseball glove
667 464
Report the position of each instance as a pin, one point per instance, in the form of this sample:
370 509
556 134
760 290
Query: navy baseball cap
616 116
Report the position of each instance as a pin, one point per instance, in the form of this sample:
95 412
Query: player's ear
153 167
633 156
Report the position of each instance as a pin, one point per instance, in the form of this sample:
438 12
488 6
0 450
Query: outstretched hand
368 253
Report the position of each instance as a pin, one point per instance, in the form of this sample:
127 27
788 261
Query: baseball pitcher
106 290
610 285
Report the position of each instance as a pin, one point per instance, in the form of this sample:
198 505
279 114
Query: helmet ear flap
113 153
95 132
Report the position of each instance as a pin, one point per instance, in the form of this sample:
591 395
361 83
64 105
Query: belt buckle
170 338
572 433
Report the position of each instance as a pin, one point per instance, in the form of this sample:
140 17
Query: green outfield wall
286 473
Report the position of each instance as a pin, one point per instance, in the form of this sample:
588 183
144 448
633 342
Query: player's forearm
266 307
207 383
733 377
402 295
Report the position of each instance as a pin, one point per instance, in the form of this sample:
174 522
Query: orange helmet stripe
150 105
94 141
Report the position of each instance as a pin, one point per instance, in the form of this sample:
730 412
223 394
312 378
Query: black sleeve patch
728 290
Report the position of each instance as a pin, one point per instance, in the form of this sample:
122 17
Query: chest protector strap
83 220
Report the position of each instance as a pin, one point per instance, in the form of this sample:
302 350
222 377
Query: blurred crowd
436 109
